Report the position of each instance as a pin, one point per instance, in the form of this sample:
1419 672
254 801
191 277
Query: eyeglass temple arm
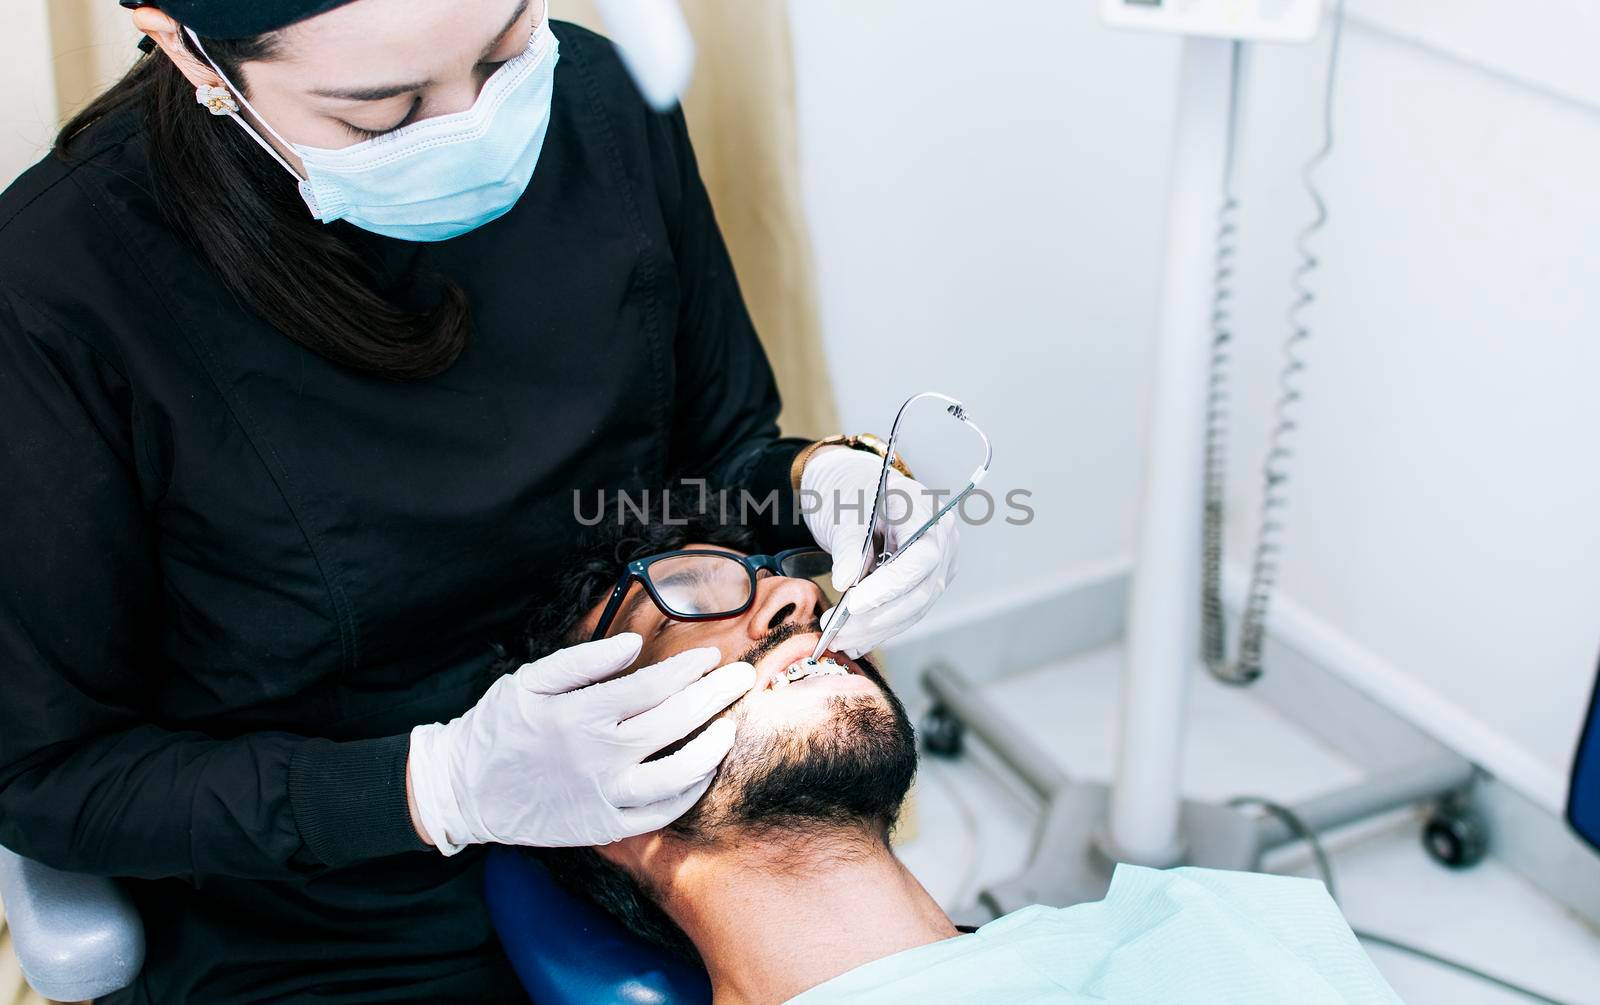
617 593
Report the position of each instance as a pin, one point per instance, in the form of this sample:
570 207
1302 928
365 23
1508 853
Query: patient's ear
633 853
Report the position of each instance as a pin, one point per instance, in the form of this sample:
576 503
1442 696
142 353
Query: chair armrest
76 936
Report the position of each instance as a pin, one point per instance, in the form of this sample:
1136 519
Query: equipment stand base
1068 866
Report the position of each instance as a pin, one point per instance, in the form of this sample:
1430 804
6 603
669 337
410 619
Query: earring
217 99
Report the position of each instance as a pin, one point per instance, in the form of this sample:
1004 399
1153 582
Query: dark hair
230 199
551 614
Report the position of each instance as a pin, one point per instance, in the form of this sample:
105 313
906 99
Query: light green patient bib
1159 937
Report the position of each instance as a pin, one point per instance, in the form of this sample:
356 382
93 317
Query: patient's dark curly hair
551 621
623 534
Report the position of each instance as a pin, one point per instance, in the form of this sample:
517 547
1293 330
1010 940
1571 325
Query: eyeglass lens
807 565
710 583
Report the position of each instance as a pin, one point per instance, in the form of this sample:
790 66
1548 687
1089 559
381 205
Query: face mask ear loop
239 95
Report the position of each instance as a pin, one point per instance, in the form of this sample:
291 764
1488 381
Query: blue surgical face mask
437 178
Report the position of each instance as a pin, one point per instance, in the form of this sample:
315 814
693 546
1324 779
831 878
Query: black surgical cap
237 18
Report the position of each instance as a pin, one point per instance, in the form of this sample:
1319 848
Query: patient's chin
842 758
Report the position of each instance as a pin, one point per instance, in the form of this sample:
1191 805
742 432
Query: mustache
777 637
789 629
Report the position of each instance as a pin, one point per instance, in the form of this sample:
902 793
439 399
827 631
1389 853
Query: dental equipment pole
1085 828
1145 817
1163 641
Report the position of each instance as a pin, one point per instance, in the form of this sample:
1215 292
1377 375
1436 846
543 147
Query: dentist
313 330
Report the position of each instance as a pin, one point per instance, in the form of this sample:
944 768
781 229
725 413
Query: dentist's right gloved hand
552 755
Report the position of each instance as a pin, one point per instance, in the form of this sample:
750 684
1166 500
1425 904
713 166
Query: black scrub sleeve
725 421
89 781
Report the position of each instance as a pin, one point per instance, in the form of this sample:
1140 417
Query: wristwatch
862 441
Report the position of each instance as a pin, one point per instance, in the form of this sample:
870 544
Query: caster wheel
1456 837
942 732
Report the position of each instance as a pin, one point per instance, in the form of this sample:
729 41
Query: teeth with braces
824 667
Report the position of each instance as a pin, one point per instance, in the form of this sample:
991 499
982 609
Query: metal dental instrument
872 555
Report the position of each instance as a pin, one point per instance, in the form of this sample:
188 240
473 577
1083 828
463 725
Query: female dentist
313 329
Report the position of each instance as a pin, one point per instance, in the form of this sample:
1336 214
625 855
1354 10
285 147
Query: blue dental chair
79 937
567 951
1583 798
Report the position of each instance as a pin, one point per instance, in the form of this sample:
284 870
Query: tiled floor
972 829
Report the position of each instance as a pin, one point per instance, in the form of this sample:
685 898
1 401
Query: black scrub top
236 574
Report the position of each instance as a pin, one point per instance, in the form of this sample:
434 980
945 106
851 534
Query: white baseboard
1367 709
1304 633
1372 713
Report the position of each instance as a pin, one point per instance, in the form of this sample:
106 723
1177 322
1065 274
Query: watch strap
857 441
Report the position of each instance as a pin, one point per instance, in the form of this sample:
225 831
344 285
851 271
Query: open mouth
822 666
790 665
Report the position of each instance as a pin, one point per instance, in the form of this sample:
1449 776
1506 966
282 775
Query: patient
781 879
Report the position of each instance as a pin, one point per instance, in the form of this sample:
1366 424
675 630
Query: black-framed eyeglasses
705 585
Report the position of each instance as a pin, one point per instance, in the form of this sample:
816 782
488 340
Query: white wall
985 187
1447 514
985 226
27 89
61 53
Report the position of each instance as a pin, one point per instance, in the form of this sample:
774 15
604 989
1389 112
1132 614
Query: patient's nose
780 599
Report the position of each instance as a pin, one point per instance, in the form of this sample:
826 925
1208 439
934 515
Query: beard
851 769
847 772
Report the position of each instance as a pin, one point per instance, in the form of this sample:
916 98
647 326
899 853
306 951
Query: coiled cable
1213 638
1275 469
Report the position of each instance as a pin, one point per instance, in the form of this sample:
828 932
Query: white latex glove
896 596
552 754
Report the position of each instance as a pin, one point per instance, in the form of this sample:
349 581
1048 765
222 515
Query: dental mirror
925 420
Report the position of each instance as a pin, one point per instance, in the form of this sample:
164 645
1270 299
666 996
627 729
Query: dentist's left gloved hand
895 597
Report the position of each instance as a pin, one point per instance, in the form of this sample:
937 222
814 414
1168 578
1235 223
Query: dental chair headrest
568 951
